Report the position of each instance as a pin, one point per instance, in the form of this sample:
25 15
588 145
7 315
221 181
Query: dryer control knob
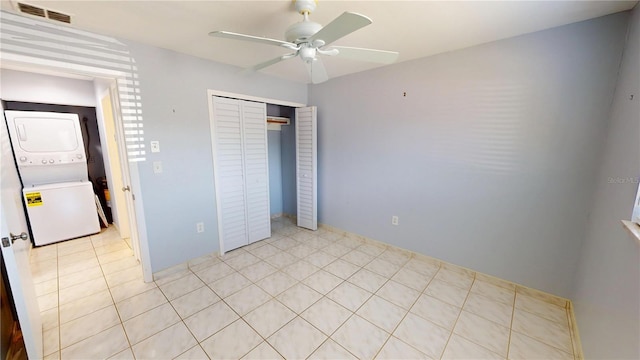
79 156
23 158
51 161
44 161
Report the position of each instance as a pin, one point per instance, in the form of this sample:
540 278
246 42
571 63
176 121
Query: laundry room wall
46 89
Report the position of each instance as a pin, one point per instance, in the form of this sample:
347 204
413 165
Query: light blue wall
288 139
489 160
175 107
606 294
287 158
275 172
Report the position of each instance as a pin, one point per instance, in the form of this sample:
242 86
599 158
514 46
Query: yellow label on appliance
34 199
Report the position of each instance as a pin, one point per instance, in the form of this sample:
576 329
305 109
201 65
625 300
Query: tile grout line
58 307
279 269
459 314
179 316
407 313
114 304
240 317
513 315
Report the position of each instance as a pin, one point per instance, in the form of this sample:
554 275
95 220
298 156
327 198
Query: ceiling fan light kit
308 39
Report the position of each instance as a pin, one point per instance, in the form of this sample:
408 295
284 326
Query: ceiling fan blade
268 63
370 55
256 39
317 72
341 26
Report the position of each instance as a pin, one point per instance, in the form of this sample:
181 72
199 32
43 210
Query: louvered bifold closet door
229 173
256 170
306 167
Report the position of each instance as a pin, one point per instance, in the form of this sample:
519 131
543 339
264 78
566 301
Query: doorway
37 85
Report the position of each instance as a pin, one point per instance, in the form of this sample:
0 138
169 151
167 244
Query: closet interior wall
282 163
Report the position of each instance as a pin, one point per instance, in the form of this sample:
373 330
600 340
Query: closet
240 149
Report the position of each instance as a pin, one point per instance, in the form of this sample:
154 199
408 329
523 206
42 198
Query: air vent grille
54 15
44 13
31 10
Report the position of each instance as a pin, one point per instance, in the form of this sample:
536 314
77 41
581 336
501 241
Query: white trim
211 92
57 68
216 179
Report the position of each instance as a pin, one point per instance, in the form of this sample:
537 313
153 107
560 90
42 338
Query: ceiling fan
307 39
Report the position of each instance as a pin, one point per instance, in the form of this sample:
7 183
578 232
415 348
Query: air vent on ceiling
44 13
31 10
54 15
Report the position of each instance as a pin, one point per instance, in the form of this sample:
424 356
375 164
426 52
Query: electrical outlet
200 227
157 167
155 146
394 220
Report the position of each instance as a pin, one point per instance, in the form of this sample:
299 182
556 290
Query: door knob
5 240
22 236
126 188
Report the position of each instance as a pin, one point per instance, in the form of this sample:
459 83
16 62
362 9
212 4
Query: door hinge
133 196
6 242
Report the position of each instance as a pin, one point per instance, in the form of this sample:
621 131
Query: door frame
125 177
97 74
210 95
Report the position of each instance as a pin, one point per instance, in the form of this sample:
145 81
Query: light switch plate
155 146
157 167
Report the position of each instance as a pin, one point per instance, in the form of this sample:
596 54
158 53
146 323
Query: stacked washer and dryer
59 198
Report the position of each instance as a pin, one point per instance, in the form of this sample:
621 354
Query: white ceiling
413 28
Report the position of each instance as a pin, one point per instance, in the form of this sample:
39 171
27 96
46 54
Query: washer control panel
57 159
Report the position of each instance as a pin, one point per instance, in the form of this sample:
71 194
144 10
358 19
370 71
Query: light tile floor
296 295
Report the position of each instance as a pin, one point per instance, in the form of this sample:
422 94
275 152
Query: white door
229 173
16 254
306 167
241 171
118 198
125 190
254 128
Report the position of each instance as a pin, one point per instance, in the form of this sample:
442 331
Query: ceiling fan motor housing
301 31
